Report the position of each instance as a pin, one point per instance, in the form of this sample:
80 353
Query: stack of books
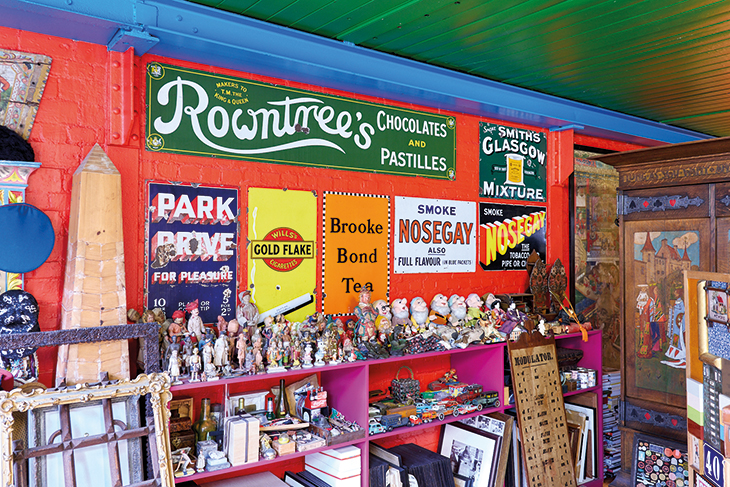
339 467
611 432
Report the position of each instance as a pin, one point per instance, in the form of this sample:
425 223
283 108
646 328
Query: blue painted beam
195 33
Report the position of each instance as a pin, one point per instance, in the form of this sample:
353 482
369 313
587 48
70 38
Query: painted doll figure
195 323
675 333
247 313
195 365
657 320
644 306
177 327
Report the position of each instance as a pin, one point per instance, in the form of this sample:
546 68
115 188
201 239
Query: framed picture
656 460
654 314
92 463
461 481
181 408
474 454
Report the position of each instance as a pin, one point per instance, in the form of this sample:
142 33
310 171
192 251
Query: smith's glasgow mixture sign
198 113
511 163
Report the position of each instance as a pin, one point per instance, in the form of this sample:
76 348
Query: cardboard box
284 448
241 441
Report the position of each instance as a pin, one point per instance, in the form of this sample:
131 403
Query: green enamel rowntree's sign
198 113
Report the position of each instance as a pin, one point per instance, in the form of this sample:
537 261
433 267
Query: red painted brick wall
73 116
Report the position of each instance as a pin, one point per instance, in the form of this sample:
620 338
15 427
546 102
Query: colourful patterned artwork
658 464
659 260
22 80
13 181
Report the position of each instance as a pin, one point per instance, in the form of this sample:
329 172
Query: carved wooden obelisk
94 286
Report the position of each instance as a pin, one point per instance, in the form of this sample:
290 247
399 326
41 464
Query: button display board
540 411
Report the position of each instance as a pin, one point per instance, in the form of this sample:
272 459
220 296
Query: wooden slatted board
540 411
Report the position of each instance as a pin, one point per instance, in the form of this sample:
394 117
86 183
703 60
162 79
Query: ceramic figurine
195 365
457 310
319 355
267 331
366 314
296 353
177 327
221 325
207 357
419 313
400 316
250 362
241 349
439 314
195 323
174 367
258 360
247 313
221 348
187 351
474 311
307 362
174 346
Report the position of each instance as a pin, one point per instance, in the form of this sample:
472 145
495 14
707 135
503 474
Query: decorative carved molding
669 174
148 331
156 385
637 204
633 413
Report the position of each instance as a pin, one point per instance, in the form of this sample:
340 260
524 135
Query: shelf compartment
265 464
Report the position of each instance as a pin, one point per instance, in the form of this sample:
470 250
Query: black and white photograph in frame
473 454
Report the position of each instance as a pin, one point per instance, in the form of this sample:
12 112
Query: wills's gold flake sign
205 114
281 270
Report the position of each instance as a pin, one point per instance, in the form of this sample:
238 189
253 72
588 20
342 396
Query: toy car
374 428
415 420
466 409
390 421
471 392
488 399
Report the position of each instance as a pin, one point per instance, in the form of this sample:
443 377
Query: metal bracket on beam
572 126
120 82
123 39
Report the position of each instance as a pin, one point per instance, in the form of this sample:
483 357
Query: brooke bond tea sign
355 238
508 234
434 236
205 114
192 240
511 163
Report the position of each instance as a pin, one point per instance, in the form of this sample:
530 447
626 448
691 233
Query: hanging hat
30 237
18 314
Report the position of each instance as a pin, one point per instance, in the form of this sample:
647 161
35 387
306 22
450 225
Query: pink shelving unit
349 385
